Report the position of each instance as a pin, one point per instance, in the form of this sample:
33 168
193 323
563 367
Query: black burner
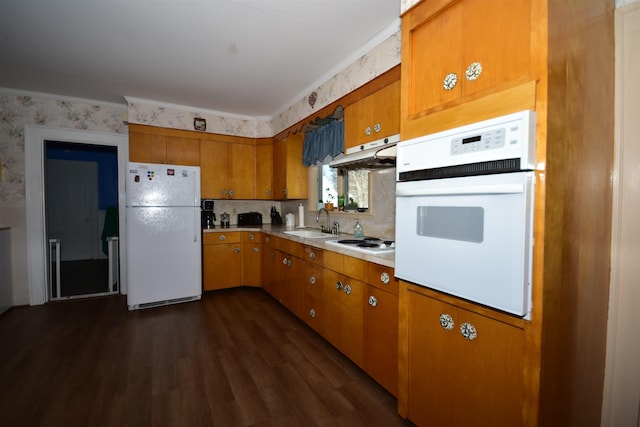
368 245
350 241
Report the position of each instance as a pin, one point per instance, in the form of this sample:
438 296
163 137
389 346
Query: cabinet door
381 338
147 148
264 172
458 381
183 151
443 39
251 258
373 117
214 169
289 174
269 261
312 310
222 266
343 299
242 163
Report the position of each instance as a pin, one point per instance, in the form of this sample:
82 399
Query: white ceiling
246 57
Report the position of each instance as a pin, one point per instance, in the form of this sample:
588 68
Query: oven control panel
507 138
490 140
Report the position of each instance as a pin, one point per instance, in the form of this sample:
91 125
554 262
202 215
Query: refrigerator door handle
196 229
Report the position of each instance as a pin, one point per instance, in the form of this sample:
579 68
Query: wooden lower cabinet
343 299
221 260
231 259
458 381
251 259
381 337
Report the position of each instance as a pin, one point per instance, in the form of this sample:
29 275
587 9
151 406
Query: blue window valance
323 144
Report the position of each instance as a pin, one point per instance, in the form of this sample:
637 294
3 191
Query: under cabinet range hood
372 155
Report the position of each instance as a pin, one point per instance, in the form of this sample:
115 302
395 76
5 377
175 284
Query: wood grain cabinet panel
147 148
450 56
380 339
289 174
222 260
373 117
228 170
183 151
264 171
251 259
458 381
343 314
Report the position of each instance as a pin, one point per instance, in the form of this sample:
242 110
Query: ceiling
242 57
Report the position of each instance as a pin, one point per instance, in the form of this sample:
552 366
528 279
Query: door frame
35 137
621 392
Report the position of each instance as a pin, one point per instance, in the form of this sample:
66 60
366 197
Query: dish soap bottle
358 230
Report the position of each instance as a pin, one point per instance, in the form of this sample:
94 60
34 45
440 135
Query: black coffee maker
207 216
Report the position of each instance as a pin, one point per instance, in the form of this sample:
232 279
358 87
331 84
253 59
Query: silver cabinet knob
251 237
373 301
384 278
312 280
284 261
473 71
377 127
256 250
232 192
468 331
224 192
222 237
312 313
236 250
446 321
339 285
289 263
450 81
267 192
367 130
347 289
312 255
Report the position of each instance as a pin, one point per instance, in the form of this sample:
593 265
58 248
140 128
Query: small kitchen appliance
464 211
250 219
208 217
225 220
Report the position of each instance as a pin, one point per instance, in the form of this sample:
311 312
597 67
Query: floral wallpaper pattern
18 110
372 64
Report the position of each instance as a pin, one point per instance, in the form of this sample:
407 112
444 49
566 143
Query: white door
72 207
622 378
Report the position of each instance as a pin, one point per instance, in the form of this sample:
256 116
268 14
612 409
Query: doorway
81 205
37 244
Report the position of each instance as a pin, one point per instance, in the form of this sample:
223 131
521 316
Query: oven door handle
513 188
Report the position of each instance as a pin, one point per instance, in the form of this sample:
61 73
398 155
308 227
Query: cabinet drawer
382 277
222 237
251 236
287 246
355 267
313 255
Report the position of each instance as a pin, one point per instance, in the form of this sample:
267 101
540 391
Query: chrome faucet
336 228
324 229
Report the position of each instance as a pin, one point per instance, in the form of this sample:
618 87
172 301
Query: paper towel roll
300 215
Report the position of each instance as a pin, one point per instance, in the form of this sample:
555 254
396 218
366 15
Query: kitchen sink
309 234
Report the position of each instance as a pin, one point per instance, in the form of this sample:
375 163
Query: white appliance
163 234
464 211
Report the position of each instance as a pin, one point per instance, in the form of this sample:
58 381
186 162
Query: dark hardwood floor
236 358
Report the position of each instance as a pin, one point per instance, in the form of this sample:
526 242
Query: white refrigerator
163 234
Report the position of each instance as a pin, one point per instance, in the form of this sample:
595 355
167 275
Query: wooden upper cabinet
150 144
289 174
450 56
264 171
214 168
242 164
147 148
183 151
373 117
227 170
